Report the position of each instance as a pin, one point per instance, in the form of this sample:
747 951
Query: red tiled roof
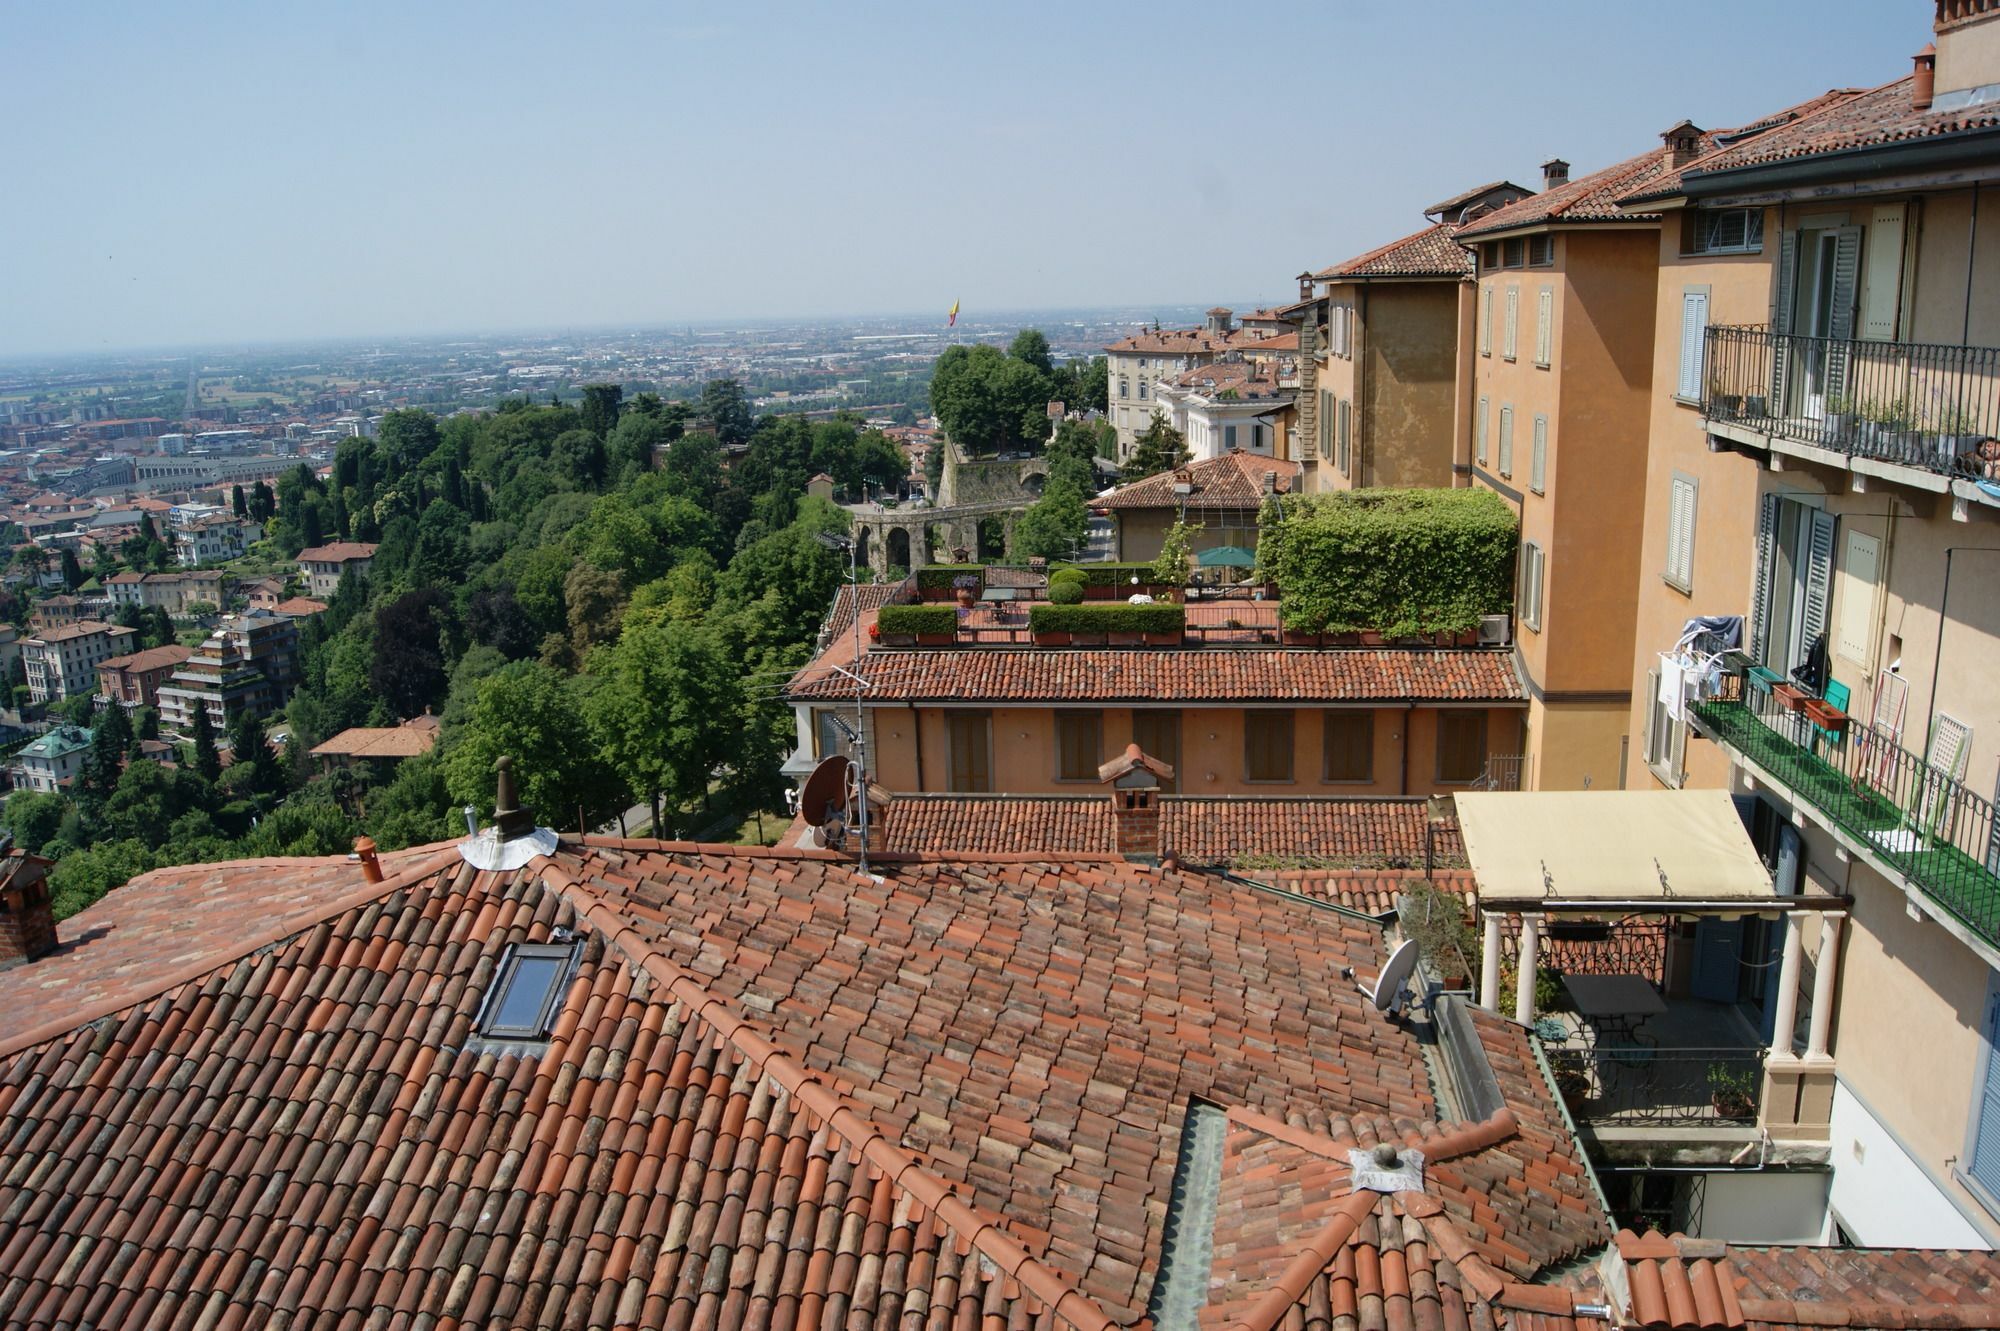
1251 380
1591 198
777 1091
1189 341
1682 1284
1459 200
412 738
1849 121
1188 677
1726 143
339 552
1234 480
153 658
1431 252
1006 824
300 607
849 599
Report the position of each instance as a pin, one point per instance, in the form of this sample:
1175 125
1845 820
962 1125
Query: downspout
1409 715
1971 258
917 733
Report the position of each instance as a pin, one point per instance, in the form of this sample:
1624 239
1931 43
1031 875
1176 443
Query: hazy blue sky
184 173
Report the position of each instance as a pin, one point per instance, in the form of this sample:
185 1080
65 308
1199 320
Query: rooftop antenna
859 736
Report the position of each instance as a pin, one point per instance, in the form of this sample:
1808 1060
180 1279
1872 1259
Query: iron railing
1905 812
1661 1087
1503 773
1932 406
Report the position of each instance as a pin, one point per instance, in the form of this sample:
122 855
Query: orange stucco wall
1023 749
1410 389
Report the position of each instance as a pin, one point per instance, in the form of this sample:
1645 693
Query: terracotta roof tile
1727 143
1192 677
1876 118
1432 252
1591 198
1234 480
339 552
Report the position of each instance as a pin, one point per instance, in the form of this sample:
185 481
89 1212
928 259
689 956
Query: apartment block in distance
62 663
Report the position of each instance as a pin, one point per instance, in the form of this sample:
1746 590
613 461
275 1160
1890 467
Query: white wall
1764 1206
1880 1196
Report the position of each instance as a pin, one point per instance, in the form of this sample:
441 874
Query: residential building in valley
249 663
52 761
1385 396
62 662
134 680
322 566
1231 404
1137 365
1823 471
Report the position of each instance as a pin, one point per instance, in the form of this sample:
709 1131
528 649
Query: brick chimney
27 920
1135 780
1555 172
1923 80
1683 141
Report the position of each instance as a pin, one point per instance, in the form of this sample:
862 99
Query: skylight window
522 1002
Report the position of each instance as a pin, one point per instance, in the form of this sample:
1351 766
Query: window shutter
1819 577
1986 1137
1506 441
1676 497
1694 324
1882 287
1760 587
1680 536
1479 433
1857 596
1538 462
1325 422
1781 316
1846 272
1677 760
1650 706
1512 327
1486 321
1545 313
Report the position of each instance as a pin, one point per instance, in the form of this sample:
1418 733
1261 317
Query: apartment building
208 534
176 593
1385 396
52 761
322 565
1563 356
1822 469
1137 365
996 708
249 663
134 680
1231 405
62 663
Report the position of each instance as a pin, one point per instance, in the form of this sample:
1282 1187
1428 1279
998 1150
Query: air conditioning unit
1493 630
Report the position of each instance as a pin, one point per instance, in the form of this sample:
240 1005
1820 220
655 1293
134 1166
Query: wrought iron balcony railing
1639 1084
1931 406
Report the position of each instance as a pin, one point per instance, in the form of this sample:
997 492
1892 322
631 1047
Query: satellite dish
1391 991
824 793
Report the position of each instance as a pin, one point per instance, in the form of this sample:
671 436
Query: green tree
110 741
414 807
1030 346
724 405
83 876
238 503
404 438
1159 447
263 503
207 762
72 572
533 714
303 827
601 406
987 401
34 816
407 671
665 714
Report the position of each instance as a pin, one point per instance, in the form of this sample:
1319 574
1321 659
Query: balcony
1888 408
1914 822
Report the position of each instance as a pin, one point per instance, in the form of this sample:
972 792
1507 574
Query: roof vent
1555 172
1923 83
1387 1168
513 839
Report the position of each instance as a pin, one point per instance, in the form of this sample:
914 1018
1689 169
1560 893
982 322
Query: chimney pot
1923 81
509 819
1555 172
371 863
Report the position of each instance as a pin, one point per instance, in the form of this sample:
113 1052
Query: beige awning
1670 847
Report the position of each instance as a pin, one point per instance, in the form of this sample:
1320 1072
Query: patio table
1615 1003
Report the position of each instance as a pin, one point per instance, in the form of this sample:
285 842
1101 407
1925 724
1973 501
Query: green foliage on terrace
930 619
1399 562
940 577
1108 574
1107 617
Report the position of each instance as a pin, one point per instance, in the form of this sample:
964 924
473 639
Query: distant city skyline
202 177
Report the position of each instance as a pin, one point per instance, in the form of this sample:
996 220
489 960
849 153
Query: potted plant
1732 1090
1838 419
966 588
1573 1085
1826 716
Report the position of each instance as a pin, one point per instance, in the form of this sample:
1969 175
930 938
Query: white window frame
1538 457
1683 500
1528 600
1545 317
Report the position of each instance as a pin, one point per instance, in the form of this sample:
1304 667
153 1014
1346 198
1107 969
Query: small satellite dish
1391 991
824 793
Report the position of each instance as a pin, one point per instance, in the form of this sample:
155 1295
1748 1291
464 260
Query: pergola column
1524 976
1787 1014
1489 964
1825 962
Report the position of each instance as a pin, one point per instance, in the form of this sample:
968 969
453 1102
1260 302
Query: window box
1299 638
1790 696
894 639
1826 716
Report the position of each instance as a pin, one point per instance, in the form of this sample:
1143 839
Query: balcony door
1818 277
1794 585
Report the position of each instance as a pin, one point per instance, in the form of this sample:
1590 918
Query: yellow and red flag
951 319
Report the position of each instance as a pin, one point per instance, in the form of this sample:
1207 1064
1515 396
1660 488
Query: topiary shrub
1069 575
1399 562
918 619
1107 617
1066 593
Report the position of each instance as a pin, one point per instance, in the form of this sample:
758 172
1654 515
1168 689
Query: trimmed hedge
921 619
1108 575
1402 563
938 577
1066 593
1107 618
1071 574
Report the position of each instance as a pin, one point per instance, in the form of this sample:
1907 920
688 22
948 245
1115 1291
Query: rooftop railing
1639 1084
1930 406
1904 811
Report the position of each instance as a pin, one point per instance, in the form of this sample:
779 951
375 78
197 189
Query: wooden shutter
1486 321
1479 435
1760 586
1781 316
1882 273
1545 308
1157 732
1267 737
1646 711
1819 578
1538 460
1325 422
971 759
1511 330
1986 1136
1694 324
1858 572
1350 745
1846 274
1680 530
1506 441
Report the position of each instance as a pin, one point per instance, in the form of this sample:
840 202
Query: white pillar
1524 978
1787 1015
1825 962
1489 964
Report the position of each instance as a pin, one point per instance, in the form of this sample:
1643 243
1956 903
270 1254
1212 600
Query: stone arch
896 547
864 547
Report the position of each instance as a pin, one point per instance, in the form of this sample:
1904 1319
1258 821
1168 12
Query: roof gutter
1966 148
